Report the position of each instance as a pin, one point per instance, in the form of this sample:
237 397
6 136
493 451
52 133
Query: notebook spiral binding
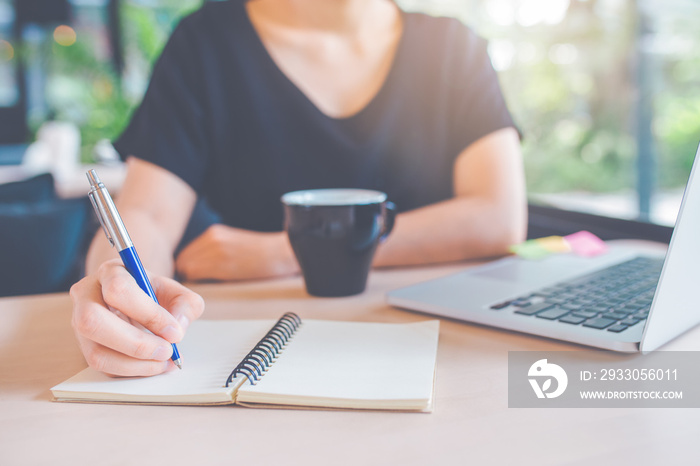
266 351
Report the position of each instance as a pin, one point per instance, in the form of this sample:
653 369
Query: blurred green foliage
82 85
146 28
86 91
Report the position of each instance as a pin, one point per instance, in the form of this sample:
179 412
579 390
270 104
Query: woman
253 99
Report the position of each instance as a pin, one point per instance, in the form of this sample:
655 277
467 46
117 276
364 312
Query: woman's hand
111 313
225 253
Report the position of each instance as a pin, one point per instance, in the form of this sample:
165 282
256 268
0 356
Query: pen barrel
133 264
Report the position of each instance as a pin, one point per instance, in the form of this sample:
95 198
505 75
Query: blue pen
118 237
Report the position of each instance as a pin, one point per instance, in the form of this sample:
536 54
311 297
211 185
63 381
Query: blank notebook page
209 351
352 364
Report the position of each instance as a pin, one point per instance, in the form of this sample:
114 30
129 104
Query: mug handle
389 221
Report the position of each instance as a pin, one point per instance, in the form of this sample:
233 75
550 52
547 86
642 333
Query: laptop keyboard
615 298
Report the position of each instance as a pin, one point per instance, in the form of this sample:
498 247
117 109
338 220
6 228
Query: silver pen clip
98 211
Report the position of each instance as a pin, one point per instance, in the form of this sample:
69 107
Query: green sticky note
530 250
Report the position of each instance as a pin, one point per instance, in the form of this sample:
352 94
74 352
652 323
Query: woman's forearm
487 214
452 230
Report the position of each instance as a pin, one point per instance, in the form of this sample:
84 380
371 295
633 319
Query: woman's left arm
487 214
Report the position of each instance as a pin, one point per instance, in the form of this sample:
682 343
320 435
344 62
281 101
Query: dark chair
36 189
42 238
546 221
12 154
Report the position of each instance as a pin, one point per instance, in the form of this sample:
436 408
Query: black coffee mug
334 234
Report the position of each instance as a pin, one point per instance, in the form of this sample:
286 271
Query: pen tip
178 363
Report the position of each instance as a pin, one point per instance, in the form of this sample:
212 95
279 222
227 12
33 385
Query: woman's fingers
97 323
184 304
110 312
120 291
114 363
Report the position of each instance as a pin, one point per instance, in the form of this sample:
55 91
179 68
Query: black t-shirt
222 116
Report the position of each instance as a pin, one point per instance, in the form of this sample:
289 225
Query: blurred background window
9 93
604 91
13 125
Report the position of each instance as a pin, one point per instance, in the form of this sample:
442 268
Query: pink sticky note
585 243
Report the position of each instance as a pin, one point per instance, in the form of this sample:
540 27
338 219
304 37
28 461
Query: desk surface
471 420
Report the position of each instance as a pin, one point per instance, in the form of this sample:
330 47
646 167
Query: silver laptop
624 300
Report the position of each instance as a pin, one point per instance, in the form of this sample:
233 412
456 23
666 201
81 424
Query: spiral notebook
288 363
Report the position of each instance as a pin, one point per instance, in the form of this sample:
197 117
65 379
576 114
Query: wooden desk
471 422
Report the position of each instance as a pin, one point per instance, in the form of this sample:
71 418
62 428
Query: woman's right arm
110 311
